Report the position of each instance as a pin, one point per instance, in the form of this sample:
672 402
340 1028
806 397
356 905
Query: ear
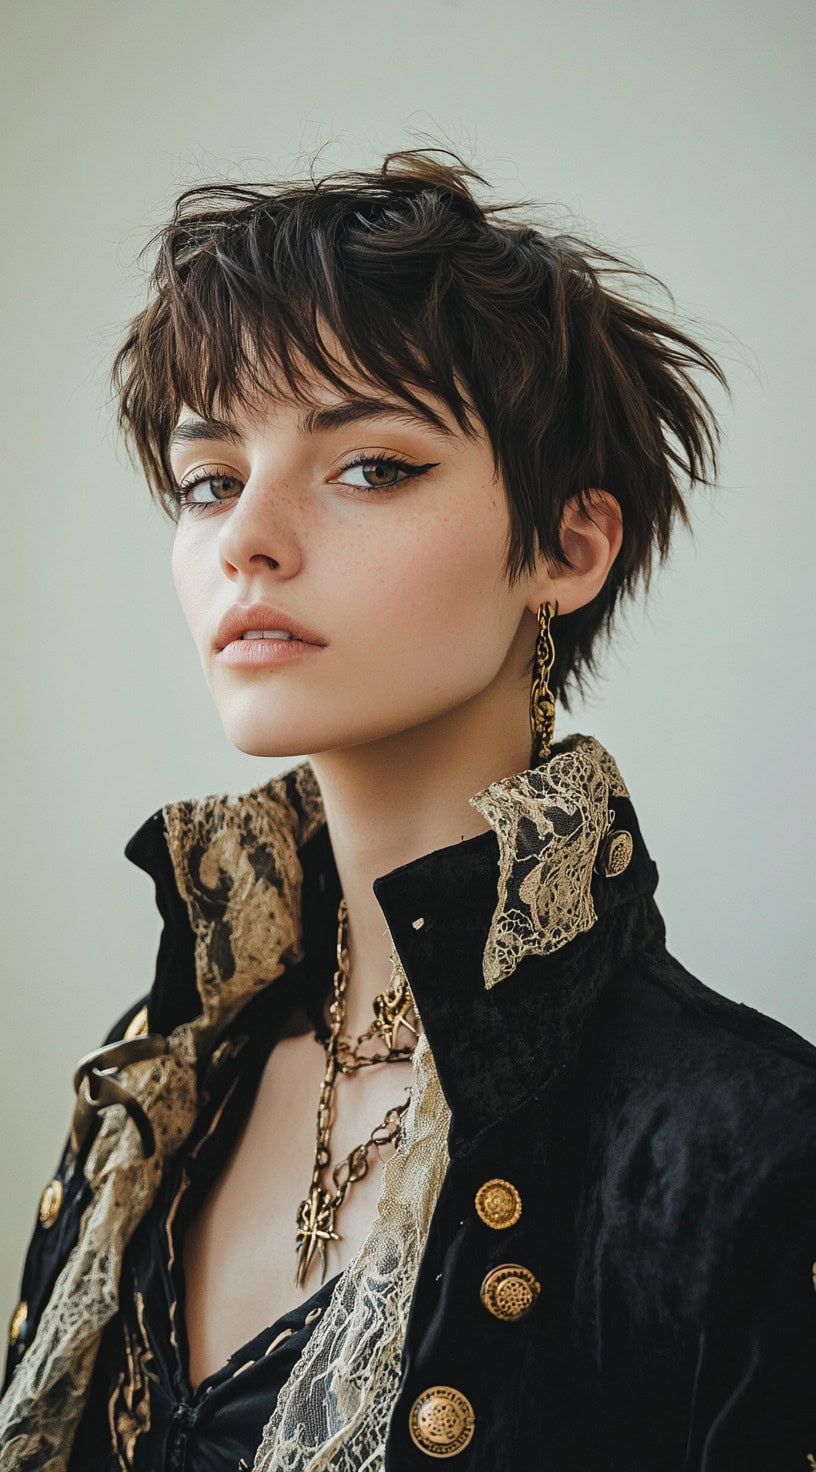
592 541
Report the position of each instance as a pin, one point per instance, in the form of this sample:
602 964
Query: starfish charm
391 1013
315 1228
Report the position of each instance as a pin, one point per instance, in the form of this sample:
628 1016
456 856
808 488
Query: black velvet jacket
654 1149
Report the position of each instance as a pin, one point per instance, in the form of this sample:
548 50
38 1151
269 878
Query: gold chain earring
542 704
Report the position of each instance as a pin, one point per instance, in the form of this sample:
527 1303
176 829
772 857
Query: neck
395 799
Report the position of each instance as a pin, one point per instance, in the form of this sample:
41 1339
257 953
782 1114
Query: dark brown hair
577 385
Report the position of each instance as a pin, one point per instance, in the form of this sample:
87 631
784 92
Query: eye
383 464
210 476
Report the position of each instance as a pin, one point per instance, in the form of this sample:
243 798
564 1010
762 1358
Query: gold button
50 1202
18 1318
441 1421
137 1027
509 1291
615 853
498 1203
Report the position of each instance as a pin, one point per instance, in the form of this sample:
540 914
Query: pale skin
419 699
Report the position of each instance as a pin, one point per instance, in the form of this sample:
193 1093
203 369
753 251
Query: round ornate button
441 1421
509 1291
18 1318
498 1204
615 853
50 1202
137 1027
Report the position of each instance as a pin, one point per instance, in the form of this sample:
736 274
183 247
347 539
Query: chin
281 718
262 743
262 728
282 740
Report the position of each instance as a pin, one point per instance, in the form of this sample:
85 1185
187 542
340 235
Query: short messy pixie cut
577 385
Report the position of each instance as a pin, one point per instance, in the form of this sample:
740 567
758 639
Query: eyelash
215 473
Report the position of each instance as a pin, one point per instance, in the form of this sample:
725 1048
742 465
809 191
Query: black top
142 1412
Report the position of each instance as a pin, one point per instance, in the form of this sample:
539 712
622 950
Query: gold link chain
392 1010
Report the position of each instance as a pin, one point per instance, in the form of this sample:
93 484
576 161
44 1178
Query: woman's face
399 574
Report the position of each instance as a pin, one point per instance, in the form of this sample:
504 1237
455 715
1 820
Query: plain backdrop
678 135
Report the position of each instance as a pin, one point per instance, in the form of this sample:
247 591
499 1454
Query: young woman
421 1145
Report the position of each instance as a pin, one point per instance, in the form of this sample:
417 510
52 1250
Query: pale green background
679 134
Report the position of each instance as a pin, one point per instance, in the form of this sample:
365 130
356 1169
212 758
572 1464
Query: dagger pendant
315 1228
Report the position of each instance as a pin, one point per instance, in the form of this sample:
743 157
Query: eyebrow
319 420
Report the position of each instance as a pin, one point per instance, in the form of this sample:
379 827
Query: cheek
188 580
439 580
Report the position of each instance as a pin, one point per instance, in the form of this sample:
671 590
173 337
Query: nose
259 533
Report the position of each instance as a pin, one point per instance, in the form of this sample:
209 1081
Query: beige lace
549 822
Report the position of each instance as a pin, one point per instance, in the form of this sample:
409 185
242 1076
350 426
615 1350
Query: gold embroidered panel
549 822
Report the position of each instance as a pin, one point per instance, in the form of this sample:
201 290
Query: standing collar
506 939
494 1044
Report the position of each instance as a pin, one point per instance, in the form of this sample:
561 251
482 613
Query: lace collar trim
237 866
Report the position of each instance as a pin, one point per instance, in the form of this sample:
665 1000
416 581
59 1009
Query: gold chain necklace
392 1010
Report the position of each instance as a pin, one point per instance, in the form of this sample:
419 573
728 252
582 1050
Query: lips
243 616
